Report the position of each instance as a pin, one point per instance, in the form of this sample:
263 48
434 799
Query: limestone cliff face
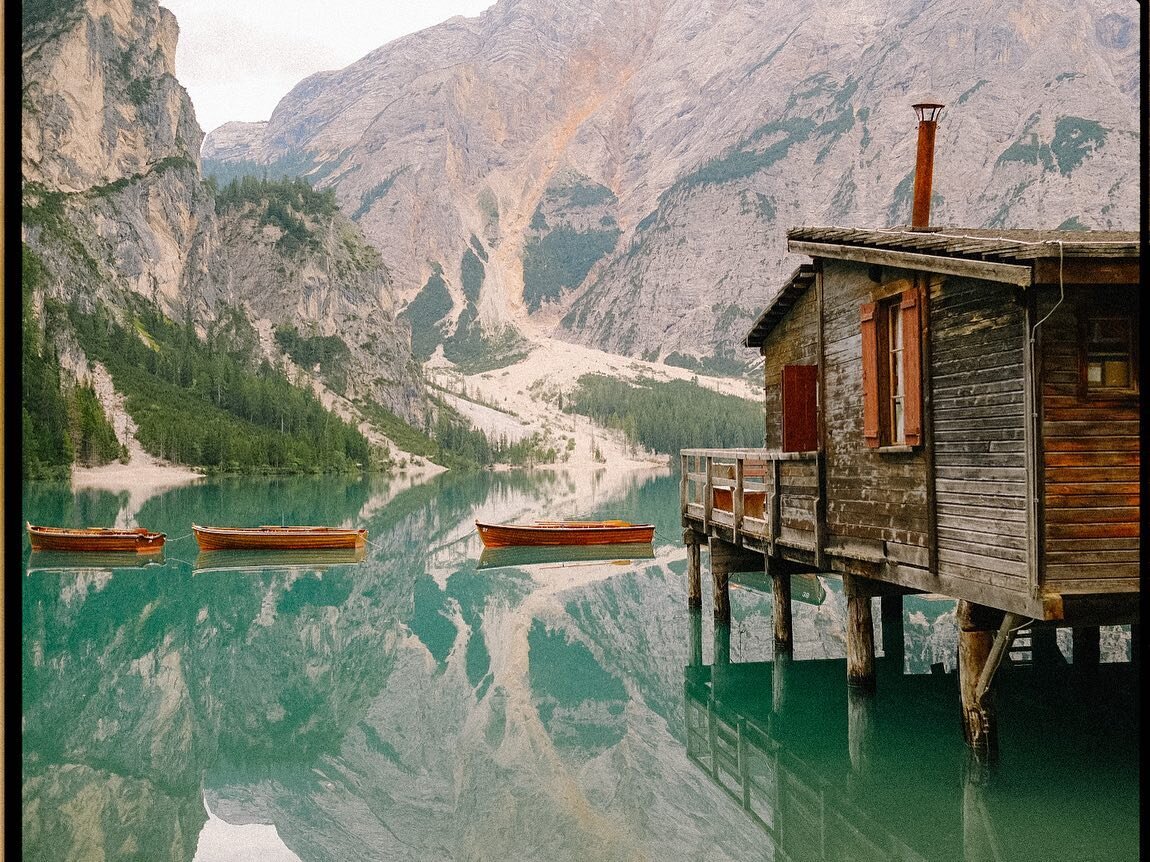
115 204
112 192
714 126
331 286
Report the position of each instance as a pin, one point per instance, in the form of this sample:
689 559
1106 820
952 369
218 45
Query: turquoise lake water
431 703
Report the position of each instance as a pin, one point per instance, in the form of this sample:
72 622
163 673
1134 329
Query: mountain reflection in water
414 704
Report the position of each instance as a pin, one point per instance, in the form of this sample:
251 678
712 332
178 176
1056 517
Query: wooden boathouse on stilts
949 411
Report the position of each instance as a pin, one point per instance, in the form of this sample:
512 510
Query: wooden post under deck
727 558
720 578
781 585
694 565
977 626
860 635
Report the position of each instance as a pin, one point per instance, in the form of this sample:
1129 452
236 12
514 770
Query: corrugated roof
783 302
1000 246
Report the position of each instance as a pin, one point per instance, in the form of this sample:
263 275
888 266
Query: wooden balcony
760 499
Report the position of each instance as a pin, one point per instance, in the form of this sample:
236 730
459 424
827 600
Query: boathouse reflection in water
830 773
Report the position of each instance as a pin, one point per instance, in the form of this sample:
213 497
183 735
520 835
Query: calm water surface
431 703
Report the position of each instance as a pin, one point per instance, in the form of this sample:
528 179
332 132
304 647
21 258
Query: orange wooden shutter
800 408
870 374
912 367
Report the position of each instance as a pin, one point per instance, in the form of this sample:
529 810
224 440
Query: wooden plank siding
1022 490
978 333
1090 458
872 496
792 342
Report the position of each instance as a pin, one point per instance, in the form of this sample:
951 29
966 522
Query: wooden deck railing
763 497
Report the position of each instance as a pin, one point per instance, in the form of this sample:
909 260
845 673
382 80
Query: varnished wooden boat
262 560
564 533
135 539
271 538
528 555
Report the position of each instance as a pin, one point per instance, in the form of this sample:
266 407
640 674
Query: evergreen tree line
60 423
463 445
284 204
330 352
208 404
452 441
666 416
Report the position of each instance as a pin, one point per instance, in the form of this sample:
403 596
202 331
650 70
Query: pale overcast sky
238 58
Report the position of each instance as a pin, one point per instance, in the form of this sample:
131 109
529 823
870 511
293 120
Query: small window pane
1109 353
1116 374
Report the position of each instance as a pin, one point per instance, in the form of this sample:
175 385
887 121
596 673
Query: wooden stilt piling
859 635
725 559
722 594
694 567
784 637
977 626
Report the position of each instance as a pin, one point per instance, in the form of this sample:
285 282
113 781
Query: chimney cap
928 108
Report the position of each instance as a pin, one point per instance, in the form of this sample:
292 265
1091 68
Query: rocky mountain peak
713 126
100 99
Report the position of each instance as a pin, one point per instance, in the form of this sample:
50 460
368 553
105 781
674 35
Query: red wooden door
800 408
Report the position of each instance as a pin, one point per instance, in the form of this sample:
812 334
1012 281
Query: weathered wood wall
1091 458
979 416
792 342
872 496
878 518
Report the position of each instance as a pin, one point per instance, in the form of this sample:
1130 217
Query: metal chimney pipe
924 165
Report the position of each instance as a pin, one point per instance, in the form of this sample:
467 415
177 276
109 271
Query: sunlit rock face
110 153
712 127
117 211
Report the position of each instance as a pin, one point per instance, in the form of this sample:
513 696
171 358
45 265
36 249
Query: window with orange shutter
892 371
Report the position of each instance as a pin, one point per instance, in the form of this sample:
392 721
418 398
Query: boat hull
137 540
277 538
561 533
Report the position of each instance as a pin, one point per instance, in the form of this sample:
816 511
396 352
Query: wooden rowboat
565 533
278 538
135 539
